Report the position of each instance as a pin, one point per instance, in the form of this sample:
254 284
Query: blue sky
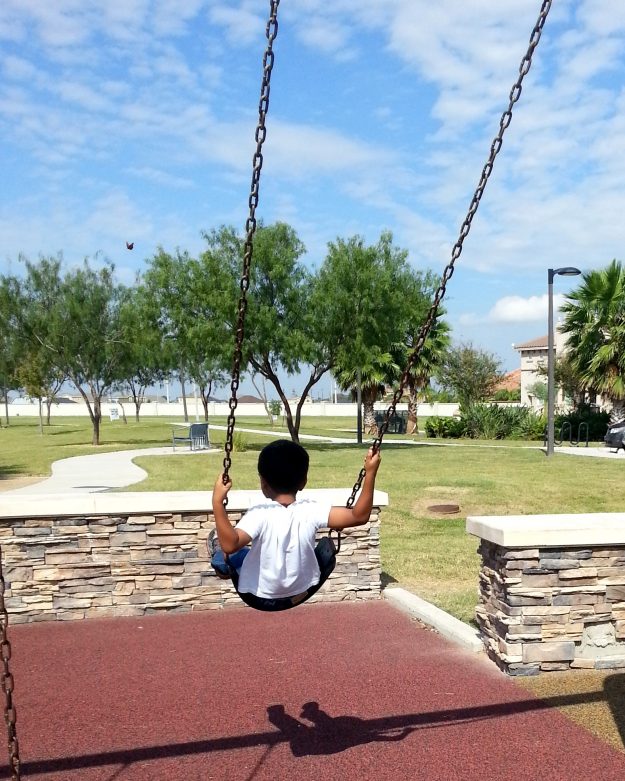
133 120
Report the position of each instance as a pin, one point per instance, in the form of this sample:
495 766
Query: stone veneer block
129 554
551 591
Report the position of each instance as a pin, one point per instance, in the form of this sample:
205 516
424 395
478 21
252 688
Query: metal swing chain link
8 684
506 118
271 32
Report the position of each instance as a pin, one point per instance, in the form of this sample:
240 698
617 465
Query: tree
373 374
421 293
167 288
470 373
75 317
9 339
566 379
143 364
368 293
285 326
38 374
213 292
540 391
594 321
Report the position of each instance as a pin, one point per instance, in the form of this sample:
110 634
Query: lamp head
567 271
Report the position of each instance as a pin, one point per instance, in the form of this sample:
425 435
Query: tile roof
539 343
510 381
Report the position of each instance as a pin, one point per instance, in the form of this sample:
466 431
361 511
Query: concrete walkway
99 472
591 452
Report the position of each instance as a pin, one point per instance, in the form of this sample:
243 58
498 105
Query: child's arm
343 517
230 539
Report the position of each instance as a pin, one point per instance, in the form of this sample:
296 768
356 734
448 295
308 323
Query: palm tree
376 371
434 348
594 319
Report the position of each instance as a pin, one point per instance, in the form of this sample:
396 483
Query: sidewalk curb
448 626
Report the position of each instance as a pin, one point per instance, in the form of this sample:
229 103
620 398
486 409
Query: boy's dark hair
284 465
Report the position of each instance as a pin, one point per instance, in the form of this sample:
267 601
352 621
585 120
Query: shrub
446 428
239 443
597 422
275 407
489 421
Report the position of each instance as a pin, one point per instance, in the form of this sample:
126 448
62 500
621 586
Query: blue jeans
219 564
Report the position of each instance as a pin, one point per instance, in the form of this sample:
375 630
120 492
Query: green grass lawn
428 554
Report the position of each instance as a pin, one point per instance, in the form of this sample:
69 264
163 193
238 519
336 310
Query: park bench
398 422
195 435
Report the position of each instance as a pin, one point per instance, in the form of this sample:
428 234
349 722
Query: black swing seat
325 551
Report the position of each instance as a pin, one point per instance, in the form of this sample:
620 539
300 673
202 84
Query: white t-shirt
281 561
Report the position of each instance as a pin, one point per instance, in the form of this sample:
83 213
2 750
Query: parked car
615 436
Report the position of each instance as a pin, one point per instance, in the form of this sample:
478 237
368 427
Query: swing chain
260 135
506 118
8 684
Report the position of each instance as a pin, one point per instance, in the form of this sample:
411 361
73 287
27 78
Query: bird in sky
130 245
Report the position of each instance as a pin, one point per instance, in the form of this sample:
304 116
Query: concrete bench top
136 503
544 531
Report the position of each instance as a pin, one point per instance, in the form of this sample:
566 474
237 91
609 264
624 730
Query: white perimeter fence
215 409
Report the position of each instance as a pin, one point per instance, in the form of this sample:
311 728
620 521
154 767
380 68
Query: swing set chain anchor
260 135
495 148
8 685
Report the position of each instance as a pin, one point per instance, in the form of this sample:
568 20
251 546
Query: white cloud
241 25
331 39
161 178
516 309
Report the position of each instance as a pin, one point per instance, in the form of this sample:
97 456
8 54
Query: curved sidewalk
98 472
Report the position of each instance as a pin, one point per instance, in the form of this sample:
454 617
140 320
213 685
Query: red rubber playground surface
344 691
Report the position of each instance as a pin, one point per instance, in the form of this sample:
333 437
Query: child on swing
281 561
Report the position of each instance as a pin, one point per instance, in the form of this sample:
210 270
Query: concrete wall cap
544 531
137 503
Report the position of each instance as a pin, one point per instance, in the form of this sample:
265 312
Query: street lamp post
566 271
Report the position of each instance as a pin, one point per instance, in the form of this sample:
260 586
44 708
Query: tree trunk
6 404
40 415
96 418
413 421
371 427
48 410
184 397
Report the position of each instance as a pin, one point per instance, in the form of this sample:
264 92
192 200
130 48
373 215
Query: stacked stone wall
545 609
66 568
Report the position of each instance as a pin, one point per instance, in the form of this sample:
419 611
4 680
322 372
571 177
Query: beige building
533 357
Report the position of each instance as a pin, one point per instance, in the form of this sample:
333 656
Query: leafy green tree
10 347
76 318
367 294
540 391
142 363
420 291
566 379
285 327
92 352
214 291
29 327
41 379
167 286
470 373
594 321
